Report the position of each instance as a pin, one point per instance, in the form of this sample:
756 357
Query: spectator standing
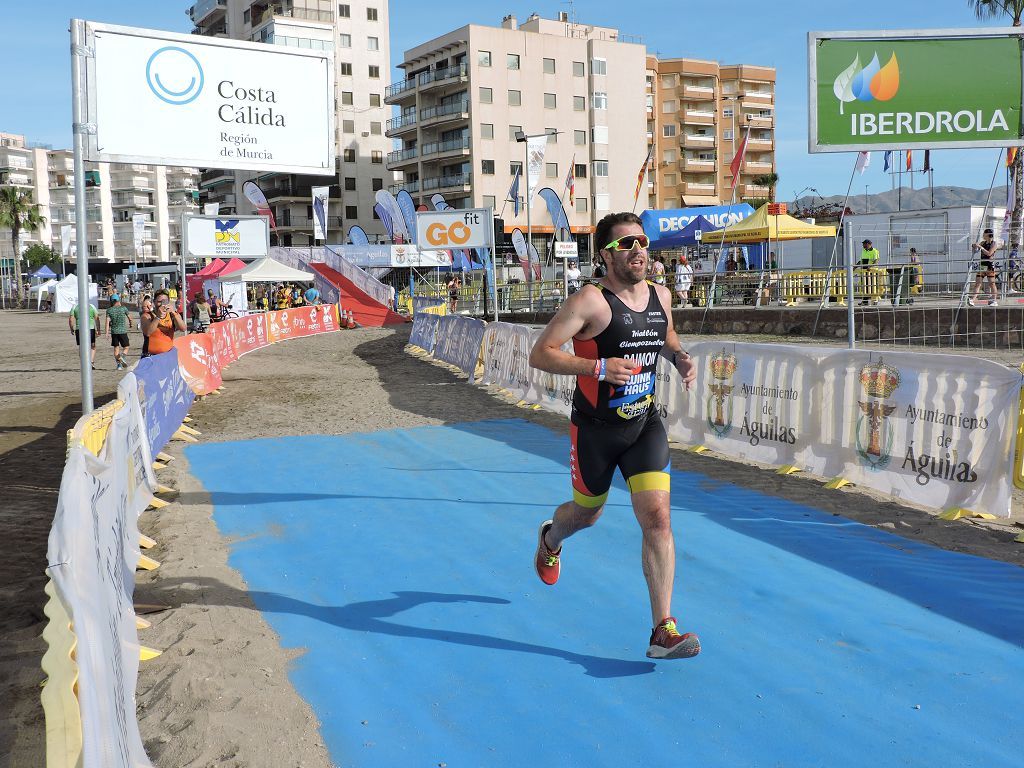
986 250
118 324
75 324
868 258
202 313
684 279
145 311
658 270
161 326
312 295
453 285
573 276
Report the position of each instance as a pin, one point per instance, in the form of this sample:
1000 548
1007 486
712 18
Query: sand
219 695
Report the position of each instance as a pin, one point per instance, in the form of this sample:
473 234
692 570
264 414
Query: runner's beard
627 274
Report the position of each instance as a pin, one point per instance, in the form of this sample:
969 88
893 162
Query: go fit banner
894 90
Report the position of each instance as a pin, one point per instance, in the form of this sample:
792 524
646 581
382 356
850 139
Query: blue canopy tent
43 273
687 236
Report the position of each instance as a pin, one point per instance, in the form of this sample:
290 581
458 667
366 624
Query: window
374 99
668 130
376 184
727 133
581 205
515 98
580 171
512 60
579 103
486 130
349 156
551 170
372 44
668 81
487 167
375 128
488 201
376 156
513 130
599 66
649 101
578 69
669 107
346 68
669 180
549 66
351 212
550 101
371 14
350 183
579 138
599 100
486 95
246 16
552 135
344 41
727 112
348 126
516 166
599 134
483 58
602 202
600 168
374 71
346 98
669 156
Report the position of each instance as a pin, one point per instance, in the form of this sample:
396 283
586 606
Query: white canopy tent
64 295
265 270
41 292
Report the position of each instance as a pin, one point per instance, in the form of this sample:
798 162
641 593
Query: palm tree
770 180
1012 9
18 212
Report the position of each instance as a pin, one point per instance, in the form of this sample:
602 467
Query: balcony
441 150
207 10
753 190
760 142
215 176
758 121
400 125
402 157
699 117
133 182
62 181
758 98
454 182
412 187
698 188
698 166
14 161
288 193
15 179
698 141
698 92
436 78
262 12
445 113
757 166
395 90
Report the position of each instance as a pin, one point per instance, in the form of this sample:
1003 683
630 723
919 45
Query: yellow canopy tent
759 226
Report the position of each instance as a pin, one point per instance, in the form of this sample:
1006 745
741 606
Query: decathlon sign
466 228
932 88
226 236
658 223
168 99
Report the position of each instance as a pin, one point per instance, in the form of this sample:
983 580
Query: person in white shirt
573 276
684 279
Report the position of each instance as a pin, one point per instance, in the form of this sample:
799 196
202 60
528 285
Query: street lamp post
866 210
524 138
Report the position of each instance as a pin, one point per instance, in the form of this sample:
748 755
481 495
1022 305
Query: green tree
768 180
1013 10
39 255
18 212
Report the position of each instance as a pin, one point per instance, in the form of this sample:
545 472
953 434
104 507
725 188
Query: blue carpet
402 562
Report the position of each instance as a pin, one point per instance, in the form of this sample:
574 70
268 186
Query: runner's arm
179 324
684 363
572 318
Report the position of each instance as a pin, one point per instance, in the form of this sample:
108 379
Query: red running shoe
667 643
546 561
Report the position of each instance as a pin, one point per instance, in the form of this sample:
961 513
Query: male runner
619 327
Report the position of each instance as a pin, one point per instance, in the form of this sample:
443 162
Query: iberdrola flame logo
870 83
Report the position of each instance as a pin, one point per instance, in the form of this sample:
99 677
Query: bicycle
227 313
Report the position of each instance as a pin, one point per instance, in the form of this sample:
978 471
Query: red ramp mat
365 309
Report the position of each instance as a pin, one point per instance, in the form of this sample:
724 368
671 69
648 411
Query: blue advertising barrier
458 342
164 396
424 331
422 303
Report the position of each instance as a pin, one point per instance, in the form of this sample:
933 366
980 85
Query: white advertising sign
138 229
170 99
466 228
321 197
65 240
566 250
241 236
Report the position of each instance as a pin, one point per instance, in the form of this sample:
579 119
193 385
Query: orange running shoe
667 643
545 561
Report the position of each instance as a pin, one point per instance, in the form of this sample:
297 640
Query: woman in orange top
160 326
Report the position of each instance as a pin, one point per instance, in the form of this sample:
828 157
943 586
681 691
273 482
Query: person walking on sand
619 328
119 322
75 324
986 250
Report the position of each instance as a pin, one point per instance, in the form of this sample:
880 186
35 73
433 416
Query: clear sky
36 101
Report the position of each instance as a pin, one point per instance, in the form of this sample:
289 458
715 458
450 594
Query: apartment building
697 115
358 34
115 193
467 93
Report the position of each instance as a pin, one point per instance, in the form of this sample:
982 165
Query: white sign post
465 228
566 251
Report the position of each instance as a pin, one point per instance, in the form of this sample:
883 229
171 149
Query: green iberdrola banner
894 93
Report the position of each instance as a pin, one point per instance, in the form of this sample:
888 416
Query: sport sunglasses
628 243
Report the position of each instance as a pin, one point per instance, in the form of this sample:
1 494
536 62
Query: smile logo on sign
174 75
